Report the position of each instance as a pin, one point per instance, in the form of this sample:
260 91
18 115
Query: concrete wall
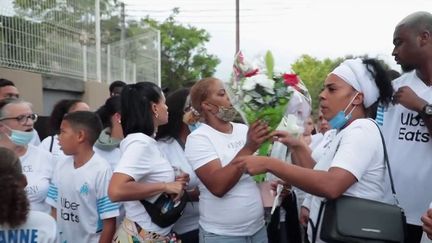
44 91
95 94
29 85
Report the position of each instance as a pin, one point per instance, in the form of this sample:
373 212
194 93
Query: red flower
291 79
251 73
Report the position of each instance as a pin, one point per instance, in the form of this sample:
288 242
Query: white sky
320 28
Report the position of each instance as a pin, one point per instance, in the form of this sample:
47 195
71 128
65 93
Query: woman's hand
184 178
175 188
258 132
286 189
287 139
252 165
427 223
304 216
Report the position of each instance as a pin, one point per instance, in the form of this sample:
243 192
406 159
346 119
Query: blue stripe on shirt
52 192
105 205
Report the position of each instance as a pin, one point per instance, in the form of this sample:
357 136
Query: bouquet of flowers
259 92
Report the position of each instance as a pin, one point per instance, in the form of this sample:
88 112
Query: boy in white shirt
78 193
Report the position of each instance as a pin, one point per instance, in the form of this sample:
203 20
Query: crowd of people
98 175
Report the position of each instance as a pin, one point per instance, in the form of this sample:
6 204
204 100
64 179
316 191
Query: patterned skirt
131 232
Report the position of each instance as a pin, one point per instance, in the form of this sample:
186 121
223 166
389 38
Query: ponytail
136 107
382 80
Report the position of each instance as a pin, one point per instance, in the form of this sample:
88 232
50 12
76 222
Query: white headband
355 73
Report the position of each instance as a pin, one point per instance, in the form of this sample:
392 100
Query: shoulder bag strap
51 144
386 161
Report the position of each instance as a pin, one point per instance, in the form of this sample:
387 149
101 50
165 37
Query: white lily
261 79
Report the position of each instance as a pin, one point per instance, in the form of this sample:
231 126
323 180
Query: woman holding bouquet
230 204
352 163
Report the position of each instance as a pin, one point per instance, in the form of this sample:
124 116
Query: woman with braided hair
16 219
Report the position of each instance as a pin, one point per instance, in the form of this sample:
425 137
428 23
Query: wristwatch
427 110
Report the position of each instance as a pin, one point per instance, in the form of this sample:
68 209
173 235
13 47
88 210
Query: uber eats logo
406 131
69 210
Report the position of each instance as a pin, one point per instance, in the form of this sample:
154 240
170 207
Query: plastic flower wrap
259 92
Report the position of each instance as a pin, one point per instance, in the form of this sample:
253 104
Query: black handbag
164 211
352 219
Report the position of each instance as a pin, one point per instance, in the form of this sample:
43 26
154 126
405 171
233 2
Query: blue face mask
194 126
340 119
21 138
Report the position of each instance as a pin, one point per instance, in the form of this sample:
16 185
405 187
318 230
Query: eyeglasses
22 119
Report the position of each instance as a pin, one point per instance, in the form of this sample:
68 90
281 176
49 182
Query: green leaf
269 60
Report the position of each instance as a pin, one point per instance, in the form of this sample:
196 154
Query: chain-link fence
59 37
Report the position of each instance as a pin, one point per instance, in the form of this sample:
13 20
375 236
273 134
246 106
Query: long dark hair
60 109
112 105
14 205
175 102
136 107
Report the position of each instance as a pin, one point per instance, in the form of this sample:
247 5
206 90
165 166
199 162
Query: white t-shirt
38 167
409 147
319 150
315 140
143 161
240 211
56 151
39 228
112 157
175 155
362 156
81 199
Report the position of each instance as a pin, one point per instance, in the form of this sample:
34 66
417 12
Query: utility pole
122 39
98 42
237 26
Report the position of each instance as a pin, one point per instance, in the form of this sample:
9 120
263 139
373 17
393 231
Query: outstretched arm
301 153
329 184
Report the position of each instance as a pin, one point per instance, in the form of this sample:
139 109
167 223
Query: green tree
184 56
313 73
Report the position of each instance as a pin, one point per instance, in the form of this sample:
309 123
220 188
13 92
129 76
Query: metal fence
143 51
59 37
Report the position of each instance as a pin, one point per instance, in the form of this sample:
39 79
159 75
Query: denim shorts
259 237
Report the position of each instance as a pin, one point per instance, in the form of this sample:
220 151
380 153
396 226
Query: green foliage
184 56
313 73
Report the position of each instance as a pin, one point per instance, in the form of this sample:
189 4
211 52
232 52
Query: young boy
78 193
